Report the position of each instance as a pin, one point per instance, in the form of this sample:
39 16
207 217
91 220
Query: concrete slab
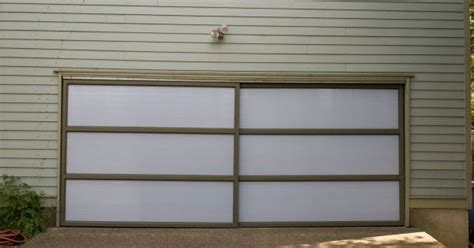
233 237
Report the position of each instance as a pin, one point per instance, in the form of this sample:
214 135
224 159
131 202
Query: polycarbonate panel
318 154
319 108
318 201
150 106
148 201
144 153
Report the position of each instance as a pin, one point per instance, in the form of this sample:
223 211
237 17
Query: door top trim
235 77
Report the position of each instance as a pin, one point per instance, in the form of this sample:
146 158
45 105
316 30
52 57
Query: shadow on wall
471 218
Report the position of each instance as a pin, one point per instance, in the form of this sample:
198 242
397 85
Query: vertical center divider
236 155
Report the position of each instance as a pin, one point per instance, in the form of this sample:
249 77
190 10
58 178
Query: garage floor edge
234 237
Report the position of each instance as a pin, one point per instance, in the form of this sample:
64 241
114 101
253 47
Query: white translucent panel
132 153
150 106
318 154
318 108
318 201
148 201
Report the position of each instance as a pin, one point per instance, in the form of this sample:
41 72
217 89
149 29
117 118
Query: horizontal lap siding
422 37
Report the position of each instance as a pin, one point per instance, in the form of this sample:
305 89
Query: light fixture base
218 33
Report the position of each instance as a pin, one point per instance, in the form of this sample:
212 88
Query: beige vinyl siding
421 37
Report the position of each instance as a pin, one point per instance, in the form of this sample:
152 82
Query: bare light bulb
215 34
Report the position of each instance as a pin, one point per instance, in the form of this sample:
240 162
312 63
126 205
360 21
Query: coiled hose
11 237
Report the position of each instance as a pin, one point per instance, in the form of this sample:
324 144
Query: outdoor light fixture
218 33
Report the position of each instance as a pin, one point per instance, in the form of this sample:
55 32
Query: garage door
144 153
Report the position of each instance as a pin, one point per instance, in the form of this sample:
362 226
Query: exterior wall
421 37
449 226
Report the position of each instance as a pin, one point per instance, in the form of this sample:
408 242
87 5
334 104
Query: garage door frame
331 82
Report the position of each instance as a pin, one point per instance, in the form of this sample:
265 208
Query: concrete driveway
233 237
